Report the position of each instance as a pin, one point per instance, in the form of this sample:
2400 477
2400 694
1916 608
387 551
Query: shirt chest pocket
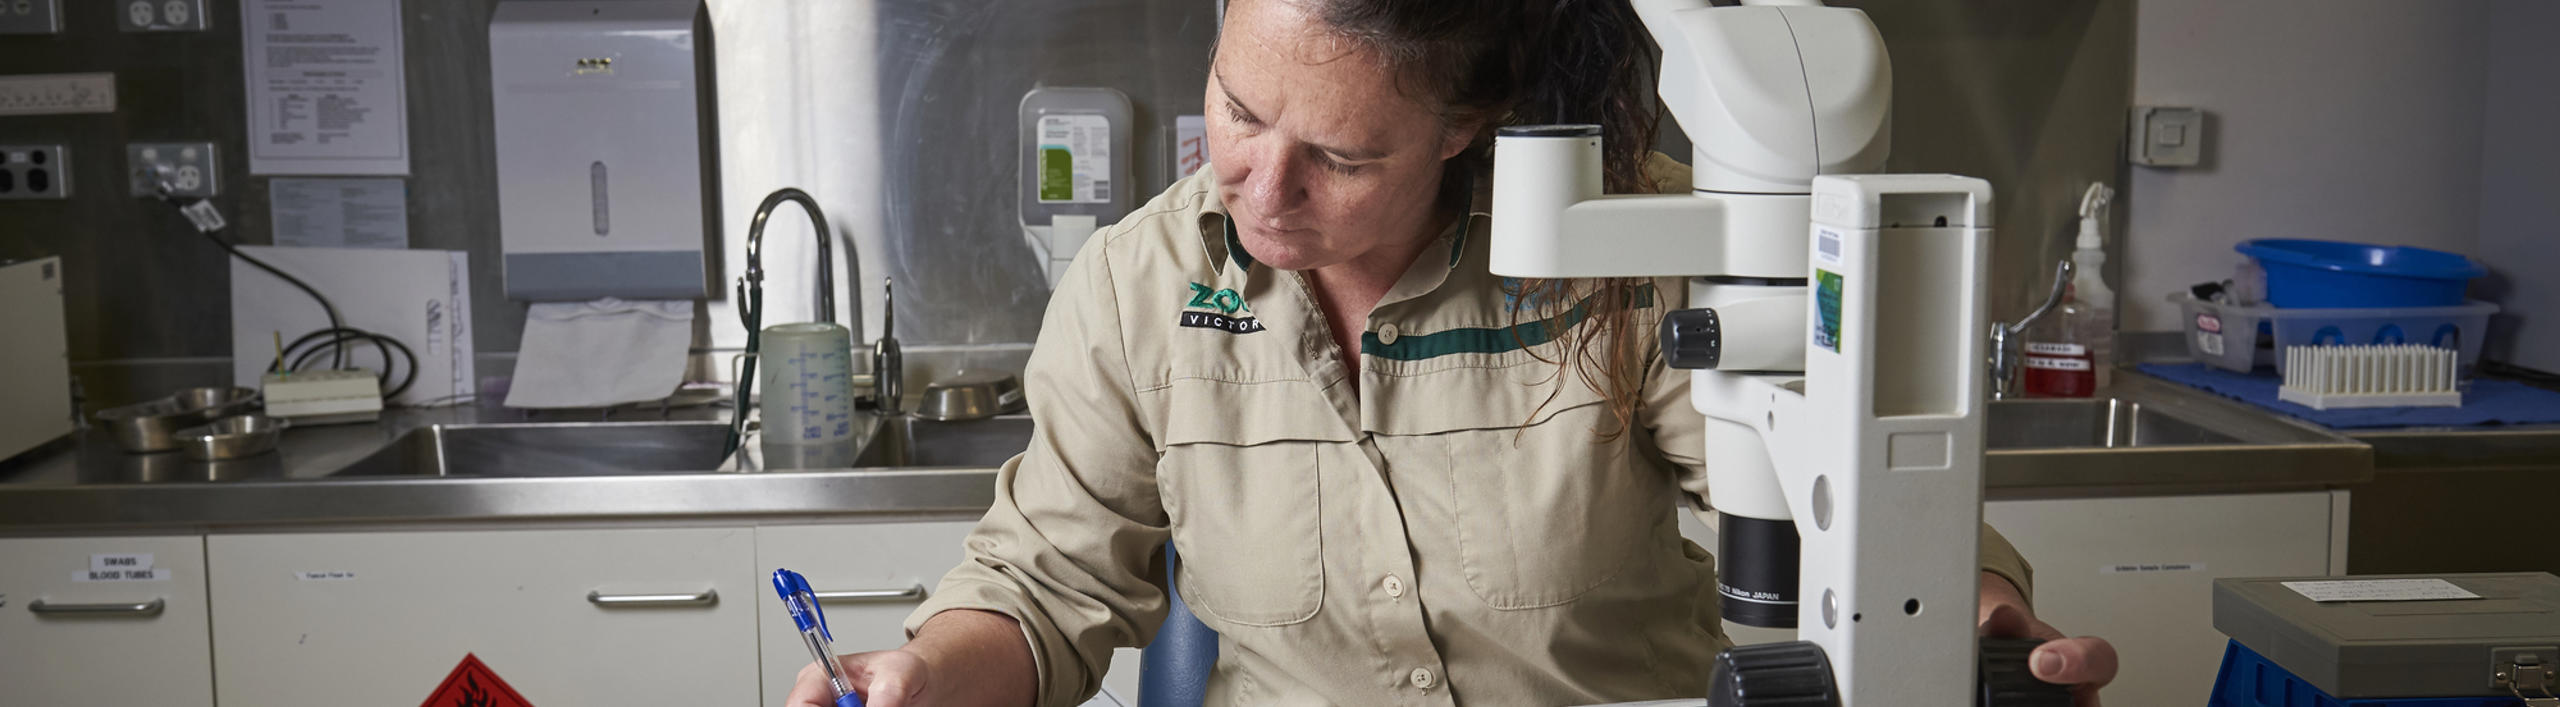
1545 510
1241 480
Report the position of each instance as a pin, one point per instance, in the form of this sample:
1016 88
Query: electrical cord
338 336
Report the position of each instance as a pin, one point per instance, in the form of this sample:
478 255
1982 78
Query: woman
1393 476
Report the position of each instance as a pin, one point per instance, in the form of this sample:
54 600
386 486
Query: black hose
338 359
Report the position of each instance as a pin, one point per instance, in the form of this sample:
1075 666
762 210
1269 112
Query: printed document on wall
326 93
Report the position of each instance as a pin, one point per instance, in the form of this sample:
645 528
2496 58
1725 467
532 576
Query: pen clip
801 602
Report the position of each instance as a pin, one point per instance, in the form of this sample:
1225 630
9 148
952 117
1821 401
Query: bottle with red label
2063 353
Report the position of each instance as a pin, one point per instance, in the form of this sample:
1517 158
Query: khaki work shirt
1452 531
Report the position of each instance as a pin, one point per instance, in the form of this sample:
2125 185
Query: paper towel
601 353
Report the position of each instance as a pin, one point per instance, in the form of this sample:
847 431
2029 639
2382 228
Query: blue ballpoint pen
802 602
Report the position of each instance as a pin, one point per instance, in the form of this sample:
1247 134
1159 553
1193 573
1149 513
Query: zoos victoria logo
1216 308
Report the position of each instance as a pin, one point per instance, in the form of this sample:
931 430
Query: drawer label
2152 567
123 561
155 574
328 576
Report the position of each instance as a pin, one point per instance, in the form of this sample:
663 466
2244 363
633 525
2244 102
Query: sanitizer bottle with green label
1076 176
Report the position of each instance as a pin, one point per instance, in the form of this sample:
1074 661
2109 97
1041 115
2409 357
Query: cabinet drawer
66 638
567 617
2139 571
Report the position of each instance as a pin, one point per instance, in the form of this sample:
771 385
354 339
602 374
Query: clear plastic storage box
2244 337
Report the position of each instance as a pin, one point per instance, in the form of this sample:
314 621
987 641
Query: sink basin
554 449
2099 422
914 442
2162 437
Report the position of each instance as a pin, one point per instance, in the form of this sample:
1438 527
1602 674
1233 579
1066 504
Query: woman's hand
891 678
2085 663
985 647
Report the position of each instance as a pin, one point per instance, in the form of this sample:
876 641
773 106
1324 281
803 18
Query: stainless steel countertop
87 484
2397 448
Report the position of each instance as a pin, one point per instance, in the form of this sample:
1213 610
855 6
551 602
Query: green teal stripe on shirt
1482 340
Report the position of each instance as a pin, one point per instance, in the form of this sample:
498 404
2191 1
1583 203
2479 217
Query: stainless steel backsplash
2030 94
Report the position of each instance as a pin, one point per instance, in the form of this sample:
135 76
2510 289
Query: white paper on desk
420 297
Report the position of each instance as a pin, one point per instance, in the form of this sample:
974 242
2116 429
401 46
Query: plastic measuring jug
806 371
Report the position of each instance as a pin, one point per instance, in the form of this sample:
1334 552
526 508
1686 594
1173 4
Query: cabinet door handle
705 597
913 592
141 608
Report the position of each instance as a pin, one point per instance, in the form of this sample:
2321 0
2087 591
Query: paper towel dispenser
608 170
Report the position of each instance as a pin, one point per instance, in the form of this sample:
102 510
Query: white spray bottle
2068 354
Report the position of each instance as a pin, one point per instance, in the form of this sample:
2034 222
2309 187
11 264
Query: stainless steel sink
2161 437
915 442
2097 422
548 449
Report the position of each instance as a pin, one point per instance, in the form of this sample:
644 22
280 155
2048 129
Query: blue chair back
1174 669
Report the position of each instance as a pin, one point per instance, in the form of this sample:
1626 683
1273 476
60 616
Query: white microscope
1837 349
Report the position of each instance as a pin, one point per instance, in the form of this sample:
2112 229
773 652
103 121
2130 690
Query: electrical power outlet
34 172
161 15
30 16
190 167
55 94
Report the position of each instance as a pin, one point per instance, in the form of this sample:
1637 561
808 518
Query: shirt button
1387 334
1394 586
1422 678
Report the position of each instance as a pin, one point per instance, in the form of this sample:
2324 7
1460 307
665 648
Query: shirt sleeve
1070 547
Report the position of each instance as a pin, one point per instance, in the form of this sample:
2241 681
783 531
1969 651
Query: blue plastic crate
2312 274
2250 680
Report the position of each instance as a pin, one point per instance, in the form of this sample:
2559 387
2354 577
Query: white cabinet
2139 571
568 617
138 638
869 577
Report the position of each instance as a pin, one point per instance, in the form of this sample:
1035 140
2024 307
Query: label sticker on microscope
1826 318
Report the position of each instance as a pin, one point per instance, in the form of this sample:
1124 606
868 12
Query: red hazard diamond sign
473 684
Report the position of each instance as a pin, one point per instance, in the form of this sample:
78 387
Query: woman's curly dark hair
1486 65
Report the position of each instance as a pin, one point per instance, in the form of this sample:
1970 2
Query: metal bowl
971 395
232 437
150 426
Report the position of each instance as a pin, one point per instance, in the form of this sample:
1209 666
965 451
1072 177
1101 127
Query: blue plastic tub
2250 680
2327 274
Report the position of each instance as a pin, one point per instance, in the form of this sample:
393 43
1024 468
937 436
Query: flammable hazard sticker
473 684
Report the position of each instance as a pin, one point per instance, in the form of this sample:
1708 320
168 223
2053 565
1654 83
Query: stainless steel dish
150 426
971 395
232 437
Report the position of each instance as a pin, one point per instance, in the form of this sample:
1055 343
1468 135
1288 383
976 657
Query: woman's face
1320 159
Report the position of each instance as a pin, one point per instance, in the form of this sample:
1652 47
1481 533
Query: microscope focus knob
2006 681
1795 674
1692 339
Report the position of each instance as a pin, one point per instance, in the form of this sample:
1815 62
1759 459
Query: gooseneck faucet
2004 360
751 294
826 258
